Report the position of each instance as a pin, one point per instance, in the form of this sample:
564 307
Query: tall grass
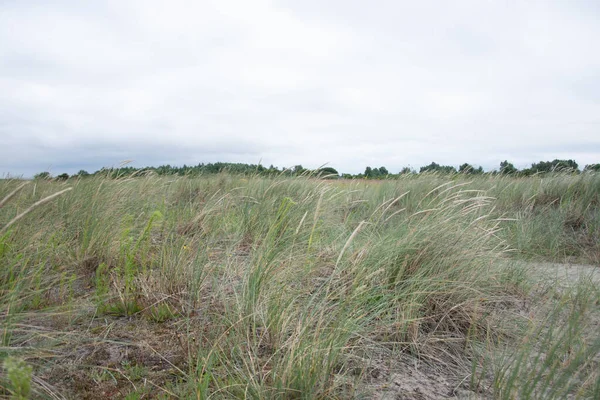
557 357
284 287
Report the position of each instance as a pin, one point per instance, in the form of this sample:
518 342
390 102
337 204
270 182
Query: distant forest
505 168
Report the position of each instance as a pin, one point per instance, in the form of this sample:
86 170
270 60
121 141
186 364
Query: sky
347 83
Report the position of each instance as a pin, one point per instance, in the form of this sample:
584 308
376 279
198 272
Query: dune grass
295 288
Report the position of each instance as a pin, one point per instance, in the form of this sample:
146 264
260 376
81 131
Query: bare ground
416 380
564 275
100 367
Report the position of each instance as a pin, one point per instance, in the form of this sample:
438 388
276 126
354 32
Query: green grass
236 287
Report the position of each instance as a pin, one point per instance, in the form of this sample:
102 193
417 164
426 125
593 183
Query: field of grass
226 286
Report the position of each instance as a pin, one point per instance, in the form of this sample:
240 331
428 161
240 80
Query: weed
18 374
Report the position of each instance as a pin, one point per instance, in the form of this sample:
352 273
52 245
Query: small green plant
121 307
134 371
4 244
102 282
101 375
160 313
19 378
133 396
133 260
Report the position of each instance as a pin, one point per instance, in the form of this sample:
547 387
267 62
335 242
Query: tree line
505 168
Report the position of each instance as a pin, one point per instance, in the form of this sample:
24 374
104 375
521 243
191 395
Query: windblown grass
230 287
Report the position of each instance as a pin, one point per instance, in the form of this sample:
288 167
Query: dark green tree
435 167
552 166
468 169
42 175
298 170
328 172
592 167
507 168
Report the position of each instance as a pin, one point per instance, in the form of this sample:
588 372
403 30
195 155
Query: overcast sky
351 83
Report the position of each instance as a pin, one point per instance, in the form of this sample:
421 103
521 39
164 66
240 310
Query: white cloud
389 83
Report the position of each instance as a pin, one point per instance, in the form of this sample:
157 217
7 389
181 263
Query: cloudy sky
86 84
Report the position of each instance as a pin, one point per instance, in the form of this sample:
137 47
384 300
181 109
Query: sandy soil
564 275
410 379
388 377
